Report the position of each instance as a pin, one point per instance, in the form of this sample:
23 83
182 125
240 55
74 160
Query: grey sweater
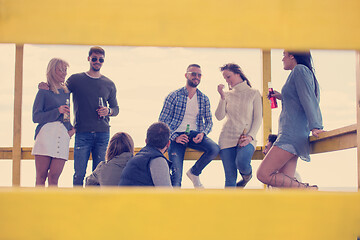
45 108
108 173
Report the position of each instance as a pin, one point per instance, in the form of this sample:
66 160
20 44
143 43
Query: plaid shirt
174 108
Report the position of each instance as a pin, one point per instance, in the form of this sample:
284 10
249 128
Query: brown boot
244 181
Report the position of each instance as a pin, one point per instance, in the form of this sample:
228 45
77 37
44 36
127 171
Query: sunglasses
94 59
194 74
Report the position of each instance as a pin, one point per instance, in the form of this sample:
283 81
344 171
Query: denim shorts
289 148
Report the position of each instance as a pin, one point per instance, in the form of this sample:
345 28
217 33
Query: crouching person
150 167
119 151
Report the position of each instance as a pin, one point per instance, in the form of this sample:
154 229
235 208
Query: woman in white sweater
243 108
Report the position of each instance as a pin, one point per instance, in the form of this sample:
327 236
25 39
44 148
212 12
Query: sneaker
195 179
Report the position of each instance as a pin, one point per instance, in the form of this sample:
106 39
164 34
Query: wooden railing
334 140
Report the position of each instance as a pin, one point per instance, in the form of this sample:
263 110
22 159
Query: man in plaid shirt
188 108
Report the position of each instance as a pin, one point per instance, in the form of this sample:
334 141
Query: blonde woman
120 150
53 132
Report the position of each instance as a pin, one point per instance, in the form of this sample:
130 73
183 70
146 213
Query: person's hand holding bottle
275 94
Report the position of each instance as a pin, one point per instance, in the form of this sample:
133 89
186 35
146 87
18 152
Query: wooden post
358 112
267 123
16 153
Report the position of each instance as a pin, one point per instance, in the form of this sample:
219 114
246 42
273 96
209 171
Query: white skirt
53 141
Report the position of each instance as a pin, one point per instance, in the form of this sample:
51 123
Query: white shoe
195 179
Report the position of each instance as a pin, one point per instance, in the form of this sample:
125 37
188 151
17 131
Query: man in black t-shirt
91 121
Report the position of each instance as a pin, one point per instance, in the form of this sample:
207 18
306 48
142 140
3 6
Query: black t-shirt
86 92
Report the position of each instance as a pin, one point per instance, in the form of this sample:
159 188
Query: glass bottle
101 104
272 99
67 114
187 131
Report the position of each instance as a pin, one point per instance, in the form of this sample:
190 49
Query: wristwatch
110 112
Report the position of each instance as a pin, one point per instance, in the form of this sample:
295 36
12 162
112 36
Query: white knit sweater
243 108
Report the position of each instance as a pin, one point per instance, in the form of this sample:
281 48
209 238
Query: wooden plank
331 24
5 153
330 144
358 112
337 139
335 132
190 154
267 119
16 154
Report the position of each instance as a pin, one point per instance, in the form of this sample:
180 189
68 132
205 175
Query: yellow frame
164 214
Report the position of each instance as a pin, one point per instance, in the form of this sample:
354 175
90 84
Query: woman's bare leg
42 164
56 167
275 168
290 167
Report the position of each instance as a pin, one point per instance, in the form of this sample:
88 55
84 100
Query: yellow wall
330 24
178 214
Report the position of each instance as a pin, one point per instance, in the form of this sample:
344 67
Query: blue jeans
236 158
86 142
177 152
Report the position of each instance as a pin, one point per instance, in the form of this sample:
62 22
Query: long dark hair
121 142
232 67
305 58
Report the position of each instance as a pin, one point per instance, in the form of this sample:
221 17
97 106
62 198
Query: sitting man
187 112
149 167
